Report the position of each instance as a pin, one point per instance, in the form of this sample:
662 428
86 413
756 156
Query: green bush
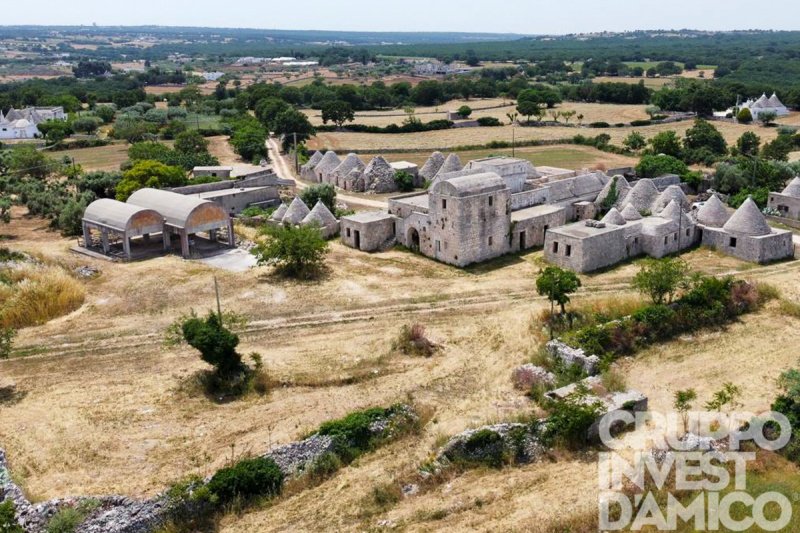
599 125
216 344
67 519
641 122
294 251
249 478
324 467
489 122
8 519
352 434
404 181
569 422
485 447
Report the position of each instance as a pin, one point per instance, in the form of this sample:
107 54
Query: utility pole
296 161
219 308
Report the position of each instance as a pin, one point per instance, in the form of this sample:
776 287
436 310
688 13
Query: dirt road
284 171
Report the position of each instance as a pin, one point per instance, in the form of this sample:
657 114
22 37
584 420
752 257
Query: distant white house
212 76
22 123
756 107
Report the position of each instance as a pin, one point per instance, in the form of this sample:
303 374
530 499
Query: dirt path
284 171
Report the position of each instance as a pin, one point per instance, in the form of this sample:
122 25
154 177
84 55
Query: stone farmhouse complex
23 123
498 205
351 174
759 106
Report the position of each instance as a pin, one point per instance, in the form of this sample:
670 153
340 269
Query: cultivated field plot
104 407
447 139
572 157
107 157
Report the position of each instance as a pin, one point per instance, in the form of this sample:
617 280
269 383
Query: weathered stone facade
787 202
368 231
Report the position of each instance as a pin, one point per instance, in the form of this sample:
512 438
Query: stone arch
413 239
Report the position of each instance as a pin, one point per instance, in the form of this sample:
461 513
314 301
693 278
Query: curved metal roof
176 208
115 214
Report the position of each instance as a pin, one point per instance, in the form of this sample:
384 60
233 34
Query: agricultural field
447 139
126 419
108 157
572 157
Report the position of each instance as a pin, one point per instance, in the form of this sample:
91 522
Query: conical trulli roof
748 220
774 101
296 213
793 189
315 158
614 217
642 195
713 213
432 166
277 215
379 176
326 165
622 186
672 211
321 215
673 192
451 164
630 213
348 163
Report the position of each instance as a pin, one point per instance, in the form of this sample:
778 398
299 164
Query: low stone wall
573 356
517 441
119 514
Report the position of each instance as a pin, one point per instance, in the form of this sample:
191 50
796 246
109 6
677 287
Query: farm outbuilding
114 219
185 215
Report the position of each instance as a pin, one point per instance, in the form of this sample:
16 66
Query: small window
636 240
687 232
491 200
568 251
666 239
490 241
444 204
555 247
733 242
348 232
675 237
438 246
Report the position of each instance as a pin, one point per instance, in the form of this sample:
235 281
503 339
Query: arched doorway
413 239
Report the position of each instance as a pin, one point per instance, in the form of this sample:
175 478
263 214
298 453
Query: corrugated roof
748 220
175 208
115 214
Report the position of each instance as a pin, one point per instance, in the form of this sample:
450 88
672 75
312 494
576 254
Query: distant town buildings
437 68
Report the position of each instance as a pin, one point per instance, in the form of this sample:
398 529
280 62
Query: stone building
326 165
432 166
343 176
307 170
592 245
323 218
379 176
747 235
787 202
488 208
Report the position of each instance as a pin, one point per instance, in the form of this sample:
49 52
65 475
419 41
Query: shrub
464 111
489 122
569 421
67 519
294 251
641 122
6 340
485 447
324 192
8 519
324 467
599 125
216 344
353 434
412 341
744 116
247 479
404 181
660 278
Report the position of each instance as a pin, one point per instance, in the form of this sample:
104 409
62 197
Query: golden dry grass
108 157
35 294
446 139
104 410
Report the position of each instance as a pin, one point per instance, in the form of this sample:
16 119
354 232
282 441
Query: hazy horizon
514 16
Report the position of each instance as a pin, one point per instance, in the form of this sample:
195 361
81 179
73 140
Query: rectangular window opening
568 251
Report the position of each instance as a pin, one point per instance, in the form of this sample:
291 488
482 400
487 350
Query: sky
497 16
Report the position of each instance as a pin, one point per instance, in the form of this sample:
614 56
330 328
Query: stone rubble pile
573 356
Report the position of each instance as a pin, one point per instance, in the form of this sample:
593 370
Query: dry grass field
104 407
572 157
446 139
100 158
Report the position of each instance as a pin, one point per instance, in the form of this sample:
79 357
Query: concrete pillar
231 234
184 244
87 236
126 245
104 239
165 238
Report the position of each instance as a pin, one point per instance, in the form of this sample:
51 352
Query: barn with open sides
107 223
186 216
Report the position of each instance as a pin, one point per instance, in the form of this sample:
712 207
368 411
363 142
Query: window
666 239
490 241
444 203
491 200
687 232
555 247
732 242
568 251
675 237
348 232
636 240
438 246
